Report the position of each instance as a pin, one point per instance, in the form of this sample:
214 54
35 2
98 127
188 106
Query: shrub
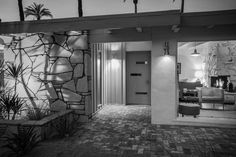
22 142
37 113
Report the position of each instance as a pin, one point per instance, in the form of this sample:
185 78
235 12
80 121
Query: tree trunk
80 8
21 10
135 6
182 6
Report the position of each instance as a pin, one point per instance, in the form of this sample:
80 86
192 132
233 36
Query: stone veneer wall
58 68
222 59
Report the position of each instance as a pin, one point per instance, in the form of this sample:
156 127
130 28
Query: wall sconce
166 48
2 44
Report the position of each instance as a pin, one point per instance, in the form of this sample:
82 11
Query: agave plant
37 10
23 142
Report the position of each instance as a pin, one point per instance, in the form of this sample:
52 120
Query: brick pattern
125 131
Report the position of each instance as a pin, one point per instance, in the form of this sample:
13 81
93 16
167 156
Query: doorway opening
115 79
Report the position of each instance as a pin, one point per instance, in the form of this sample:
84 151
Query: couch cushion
211 98
212 92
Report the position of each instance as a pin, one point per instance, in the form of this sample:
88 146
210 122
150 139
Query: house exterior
71 45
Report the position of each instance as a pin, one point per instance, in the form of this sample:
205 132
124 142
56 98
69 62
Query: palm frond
14 70
37 10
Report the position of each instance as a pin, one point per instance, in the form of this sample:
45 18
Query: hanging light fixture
195 53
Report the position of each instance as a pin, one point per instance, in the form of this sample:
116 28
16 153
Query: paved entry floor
125 131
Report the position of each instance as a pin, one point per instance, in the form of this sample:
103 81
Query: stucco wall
57 68
163 82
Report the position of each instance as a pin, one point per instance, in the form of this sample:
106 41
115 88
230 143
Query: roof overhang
226 17
150 19
172 18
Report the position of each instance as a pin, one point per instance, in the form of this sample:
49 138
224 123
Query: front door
138 74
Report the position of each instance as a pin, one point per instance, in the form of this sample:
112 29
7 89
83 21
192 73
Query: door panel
138 71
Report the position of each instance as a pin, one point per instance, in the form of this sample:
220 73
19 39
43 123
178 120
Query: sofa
211 95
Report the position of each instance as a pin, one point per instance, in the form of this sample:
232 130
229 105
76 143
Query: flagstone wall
57 69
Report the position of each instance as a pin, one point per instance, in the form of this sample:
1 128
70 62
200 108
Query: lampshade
195 53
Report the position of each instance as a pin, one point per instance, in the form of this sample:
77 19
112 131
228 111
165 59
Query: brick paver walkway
125 131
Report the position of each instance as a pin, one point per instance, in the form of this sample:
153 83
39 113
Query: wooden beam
162 18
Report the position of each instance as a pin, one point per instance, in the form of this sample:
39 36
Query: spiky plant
17 105
6 103
14 71
23 142
10 103
37 10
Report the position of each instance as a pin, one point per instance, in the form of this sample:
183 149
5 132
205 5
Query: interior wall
216 58
192 65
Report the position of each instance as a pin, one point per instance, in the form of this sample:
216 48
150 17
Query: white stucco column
163 88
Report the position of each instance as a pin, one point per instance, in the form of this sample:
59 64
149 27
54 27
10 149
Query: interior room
207 80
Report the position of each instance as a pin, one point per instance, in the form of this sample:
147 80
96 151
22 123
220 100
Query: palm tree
80 8
135 6
21 11
37 10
